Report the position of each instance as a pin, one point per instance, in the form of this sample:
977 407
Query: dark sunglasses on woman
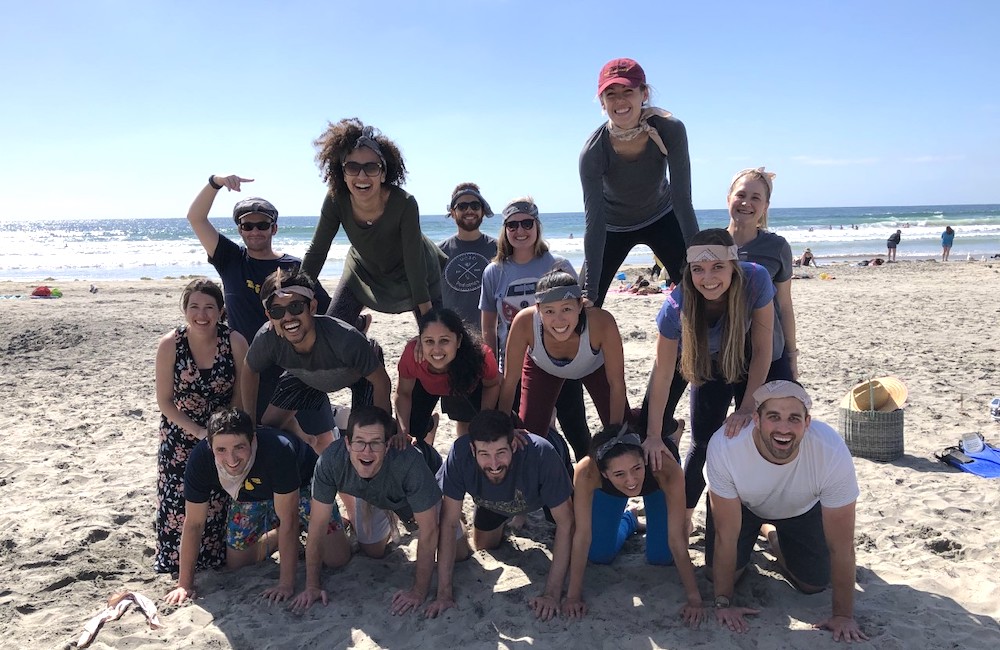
527 224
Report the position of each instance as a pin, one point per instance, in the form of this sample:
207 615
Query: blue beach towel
985 463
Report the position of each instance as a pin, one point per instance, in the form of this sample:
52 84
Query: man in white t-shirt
793 480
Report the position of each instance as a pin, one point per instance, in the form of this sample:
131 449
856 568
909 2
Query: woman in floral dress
197 370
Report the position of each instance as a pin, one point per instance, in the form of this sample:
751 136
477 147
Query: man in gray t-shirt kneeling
387 483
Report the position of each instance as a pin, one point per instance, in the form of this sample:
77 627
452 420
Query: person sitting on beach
469 251
243 269
198 369
715 332
806 259
557 339
391 266
320 354
267 474
791 479
503 482
447 362
603 482
387 483
748 200
892 243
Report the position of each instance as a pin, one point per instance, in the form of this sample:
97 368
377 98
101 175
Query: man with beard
320 354
244 268
468 251
792 480
267 474
504 479
386 483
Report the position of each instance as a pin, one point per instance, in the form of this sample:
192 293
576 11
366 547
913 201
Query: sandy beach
78 473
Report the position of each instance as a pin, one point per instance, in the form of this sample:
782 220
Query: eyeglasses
468 205
247 226
370 169
527 224
361 445
294 308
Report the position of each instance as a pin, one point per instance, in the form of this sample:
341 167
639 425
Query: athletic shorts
801 539
250 520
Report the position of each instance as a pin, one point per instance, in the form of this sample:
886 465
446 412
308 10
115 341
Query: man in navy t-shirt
243 269
268 475
503 482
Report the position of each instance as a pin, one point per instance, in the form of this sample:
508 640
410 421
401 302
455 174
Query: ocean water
113 249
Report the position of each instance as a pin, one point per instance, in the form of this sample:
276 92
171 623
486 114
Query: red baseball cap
620 71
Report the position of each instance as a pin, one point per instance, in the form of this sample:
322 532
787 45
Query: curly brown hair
339 140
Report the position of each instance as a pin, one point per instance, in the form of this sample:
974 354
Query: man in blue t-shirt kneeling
504 478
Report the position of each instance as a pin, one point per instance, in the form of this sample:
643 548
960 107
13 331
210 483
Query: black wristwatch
722 602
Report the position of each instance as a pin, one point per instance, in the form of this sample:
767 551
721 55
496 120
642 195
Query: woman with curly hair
444 362
705 326
391 266
197 369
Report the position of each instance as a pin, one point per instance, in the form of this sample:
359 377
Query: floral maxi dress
197 393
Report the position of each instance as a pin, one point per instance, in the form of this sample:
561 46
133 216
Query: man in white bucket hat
791 478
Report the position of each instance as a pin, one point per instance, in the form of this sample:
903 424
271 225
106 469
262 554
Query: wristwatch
722 602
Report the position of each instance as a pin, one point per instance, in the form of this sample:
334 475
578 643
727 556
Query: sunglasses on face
513 224
247 226
468 205
296 308
352 168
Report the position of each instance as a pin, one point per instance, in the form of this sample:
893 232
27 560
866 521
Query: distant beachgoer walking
892 243
947 239
627 197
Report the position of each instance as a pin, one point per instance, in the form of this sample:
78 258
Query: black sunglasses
468 205
277 312
247 226
352 168
527 224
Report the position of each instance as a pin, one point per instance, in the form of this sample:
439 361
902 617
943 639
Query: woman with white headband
564 341
603 482
748 201
636 176
391 266
704 325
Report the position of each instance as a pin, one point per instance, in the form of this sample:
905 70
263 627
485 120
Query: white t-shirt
822 471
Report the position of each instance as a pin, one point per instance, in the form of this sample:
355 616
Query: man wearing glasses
320 354
243 269
468 251
387 483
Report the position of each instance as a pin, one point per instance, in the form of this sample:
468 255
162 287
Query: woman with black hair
444 362
563 341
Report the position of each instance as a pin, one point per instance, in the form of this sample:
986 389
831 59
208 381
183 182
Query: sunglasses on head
247 226
527 224
352 168
468 205
294 308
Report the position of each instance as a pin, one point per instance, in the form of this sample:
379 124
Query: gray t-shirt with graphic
463 275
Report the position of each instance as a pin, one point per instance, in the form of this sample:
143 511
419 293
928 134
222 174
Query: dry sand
77 484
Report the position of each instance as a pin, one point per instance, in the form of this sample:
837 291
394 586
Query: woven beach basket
871 420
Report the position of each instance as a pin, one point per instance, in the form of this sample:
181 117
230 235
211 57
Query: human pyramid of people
508 335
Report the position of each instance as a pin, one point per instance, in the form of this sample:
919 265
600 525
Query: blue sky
123 108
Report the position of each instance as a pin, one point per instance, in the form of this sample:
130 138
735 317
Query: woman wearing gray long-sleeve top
627 195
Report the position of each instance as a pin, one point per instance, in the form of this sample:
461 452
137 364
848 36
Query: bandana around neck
232 484
644 127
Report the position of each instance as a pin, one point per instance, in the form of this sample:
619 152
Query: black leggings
346 306
663 236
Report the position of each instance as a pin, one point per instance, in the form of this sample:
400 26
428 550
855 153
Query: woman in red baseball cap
636 177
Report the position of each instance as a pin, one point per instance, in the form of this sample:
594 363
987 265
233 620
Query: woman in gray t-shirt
627 197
